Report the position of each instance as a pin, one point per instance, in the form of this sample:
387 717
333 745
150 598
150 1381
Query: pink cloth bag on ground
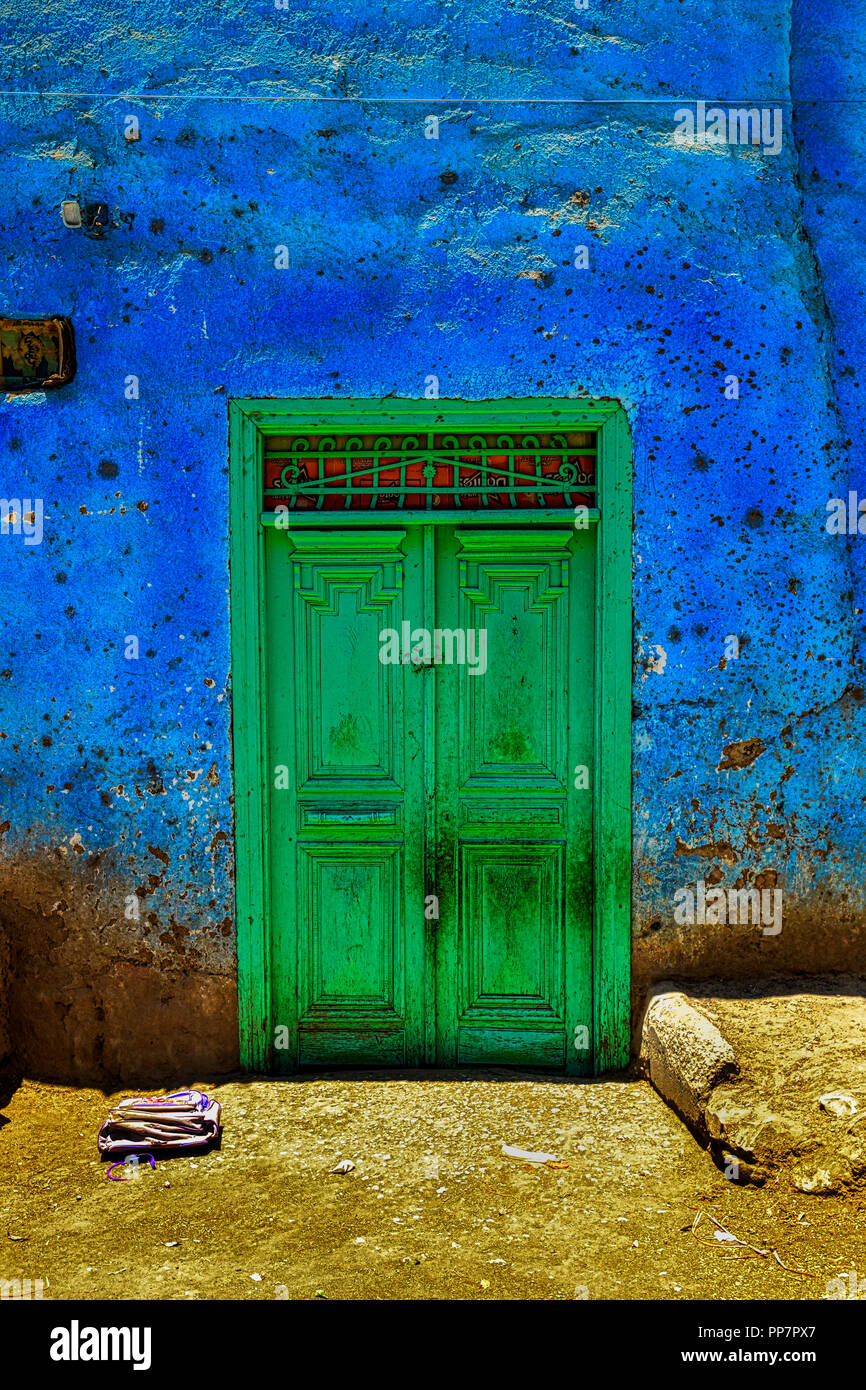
184 1120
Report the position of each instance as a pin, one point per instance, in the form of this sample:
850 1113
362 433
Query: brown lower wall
86 996
133 1023
820 939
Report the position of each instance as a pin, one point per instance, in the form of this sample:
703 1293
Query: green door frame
250 422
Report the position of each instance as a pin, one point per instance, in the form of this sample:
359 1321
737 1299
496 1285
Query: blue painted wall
410 257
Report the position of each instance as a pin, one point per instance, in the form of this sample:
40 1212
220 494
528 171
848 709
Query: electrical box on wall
36 354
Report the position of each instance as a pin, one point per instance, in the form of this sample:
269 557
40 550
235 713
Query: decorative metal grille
429 470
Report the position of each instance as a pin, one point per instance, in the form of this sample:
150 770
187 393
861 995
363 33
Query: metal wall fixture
36 354
93 219
70 211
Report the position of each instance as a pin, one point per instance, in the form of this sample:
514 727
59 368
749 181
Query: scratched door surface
430 852
344 732
513 830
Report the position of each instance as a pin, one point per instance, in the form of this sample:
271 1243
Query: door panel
451 781
514 833
347 874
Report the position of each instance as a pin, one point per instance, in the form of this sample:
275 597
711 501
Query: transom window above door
487 470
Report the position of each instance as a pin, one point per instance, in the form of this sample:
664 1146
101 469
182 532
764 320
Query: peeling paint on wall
407 258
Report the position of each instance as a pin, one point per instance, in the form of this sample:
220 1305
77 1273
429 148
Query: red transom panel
430 471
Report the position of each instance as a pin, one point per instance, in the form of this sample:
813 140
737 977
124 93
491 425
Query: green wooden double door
429 733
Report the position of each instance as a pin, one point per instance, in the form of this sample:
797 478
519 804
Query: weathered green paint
346 847
444 516
612 771
400 784
514 835
248 719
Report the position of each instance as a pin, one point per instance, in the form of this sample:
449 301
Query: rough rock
794 1103
684 1055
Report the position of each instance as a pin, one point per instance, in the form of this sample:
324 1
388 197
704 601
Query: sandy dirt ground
799 1102
432 1210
